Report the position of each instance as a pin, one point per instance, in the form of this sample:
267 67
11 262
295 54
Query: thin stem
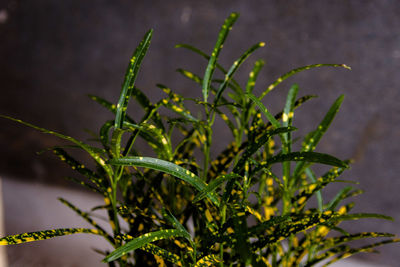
207 145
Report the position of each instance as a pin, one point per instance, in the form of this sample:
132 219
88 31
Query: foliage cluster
256 203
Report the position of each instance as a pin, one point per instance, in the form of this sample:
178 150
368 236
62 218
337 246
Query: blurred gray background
53 53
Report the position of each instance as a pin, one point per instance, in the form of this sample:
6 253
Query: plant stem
207 145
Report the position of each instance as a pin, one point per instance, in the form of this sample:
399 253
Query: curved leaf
234 68
79 167
91 150
130 77
253 75
209 260
226 27
308 157
257 144
264 110
42 235
174 221
214 185
166 167
165 254
292 72
142 241
314 137
356 216
87 218
207 57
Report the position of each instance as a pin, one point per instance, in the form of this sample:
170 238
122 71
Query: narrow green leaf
198 80
142 241
299 223
79 167
108 105
209 260
297 104
257 144
235 66
289 106
323 181
287 119
228 122
144 101
292 72
104 133
335 241
184 113
264 110
116 142
87 218
339 196
350 251
207 57
154 136
214 55
345 251
166 167
214 184
42 235
130 78
175 223
85 184
262 228
165 254
356 216
313 179
92 151
308 157
253 75
314 137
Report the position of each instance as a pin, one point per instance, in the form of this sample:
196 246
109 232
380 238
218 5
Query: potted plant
249 205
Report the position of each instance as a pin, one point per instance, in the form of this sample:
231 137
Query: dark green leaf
130 78
234 68
214 184
308 157
166 167
314 137
214 55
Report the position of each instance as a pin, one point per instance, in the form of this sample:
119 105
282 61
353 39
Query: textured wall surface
52 53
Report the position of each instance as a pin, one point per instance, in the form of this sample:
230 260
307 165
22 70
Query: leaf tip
346 67
234 15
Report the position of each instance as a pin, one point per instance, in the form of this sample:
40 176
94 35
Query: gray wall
52 53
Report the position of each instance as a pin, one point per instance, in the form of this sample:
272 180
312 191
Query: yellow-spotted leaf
308 157
293 72
226 27
160 252
130 78
42 235
235 66
143 240
214 184
209 260
166 167
89 149
314 137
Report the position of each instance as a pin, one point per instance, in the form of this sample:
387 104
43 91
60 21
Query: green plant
228 210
